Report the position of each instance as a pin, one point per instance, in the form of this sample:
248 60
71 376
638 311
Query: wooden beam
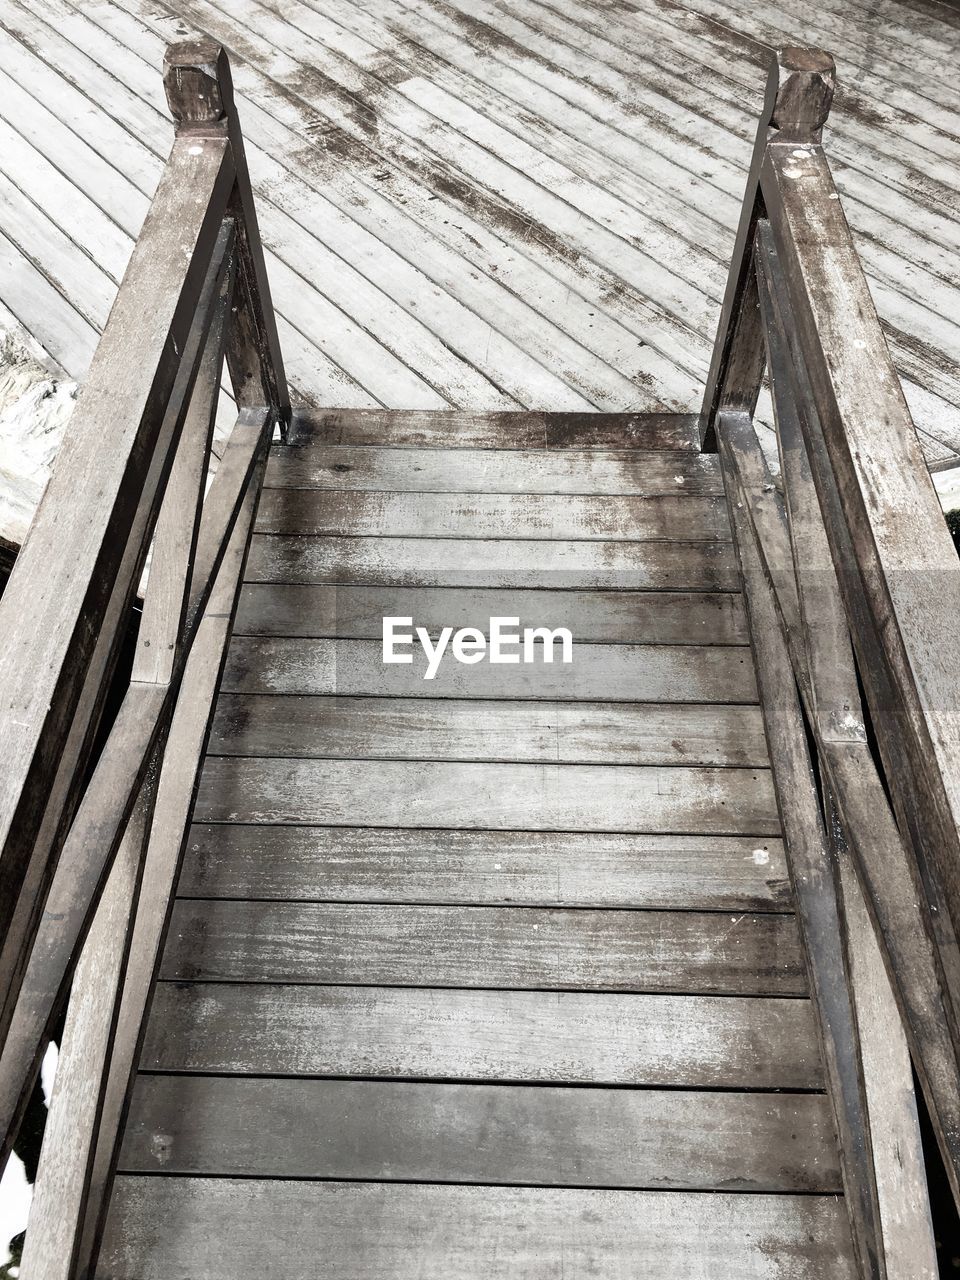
175 536
199 89
900 575
815 893
98 828
908 1240
799 94
882 693
100 499
111 985
890 880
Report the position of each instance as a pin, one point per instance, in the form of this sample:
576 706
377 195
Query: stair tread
429 1232
511 429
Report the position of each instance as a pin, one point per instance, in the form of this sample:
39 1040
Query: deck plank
351 612
364 864
603 672
465 729
560 1037
474 1233
487 515
501 562
504 797
415 236
308 465
515 948
371 1130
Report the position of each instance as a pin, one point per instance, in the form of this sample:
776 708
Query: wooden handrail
130 476
852 582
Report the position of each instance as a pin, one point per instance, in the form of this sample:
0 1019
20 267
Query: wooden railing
88 859
853 592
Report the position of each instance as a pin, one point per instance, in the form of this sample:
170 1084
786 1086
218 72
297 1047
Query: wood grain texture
355 612
514 948
907 567
610 517
55 607
366 1130
465 248
453 429
465 729
164 846
363 864
392 793
905 1211
493 562
371 1230
816 889
629 673
559 1037
598 471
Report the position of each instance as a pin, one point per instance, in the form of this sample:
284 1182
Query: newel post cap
197 82
800 90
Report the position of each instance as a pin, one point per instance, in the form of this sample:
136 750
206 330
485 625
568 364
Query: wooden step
345 468
469 729
390 864
524 429
394 793
420 1033
515 948
504 962
607 672
410 1132
213 1227
502 562
494 515
355 612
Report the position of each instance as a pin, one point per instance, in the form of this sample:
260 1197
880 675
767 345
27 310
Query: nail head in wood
800 91
197 81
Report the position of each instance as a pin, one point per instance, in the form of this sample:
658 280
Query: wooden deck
495 975
487 204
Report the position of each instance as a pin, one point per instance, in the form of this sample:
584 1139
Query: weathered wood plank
813 876
168 834
608 672
393 793
199 92
799 93
452 729
78 882
57 605
500 562
457 429
896 1145
70 1134
354 612
492 471
560 1037
372 1230
367 1130
716 873
684 518
909 571
516 948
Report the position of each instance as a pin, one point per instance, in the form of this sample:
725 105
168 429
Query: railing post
799 94
199 89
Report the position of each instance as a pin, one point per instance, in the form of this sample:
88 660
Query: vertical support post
798 99
199 90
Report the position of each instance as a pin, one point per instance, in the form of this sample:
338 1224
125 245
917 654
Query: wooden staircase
494 974
614 965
